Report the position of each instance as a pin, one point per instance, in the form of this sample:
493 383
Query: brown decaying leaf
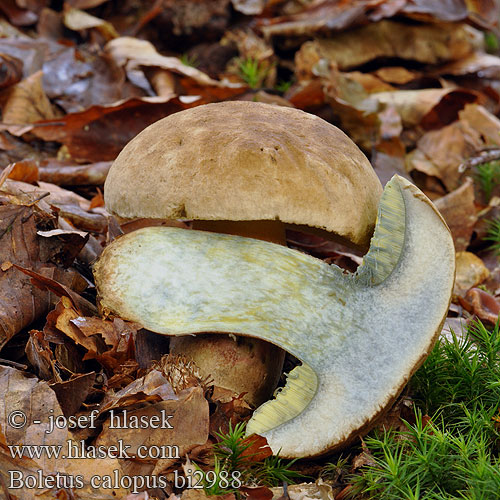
189 422
484 122
17 15
153 387
440 152
41 357
330 16
470 272
482 304
24 171
429 44
258 493
92 174
11 70
73 392
60 289
26 102
100 132
78 20
135 53
487 64
459 212
431 108
20 303
78 79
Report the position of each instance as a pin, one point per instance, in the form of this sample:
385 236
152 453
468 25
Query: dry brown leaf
60 289
416 105
21 303
26 102
61 319
73 392
153 387
78 79
323 17
481 120
459 212
17 15
439 153
487 65
369 82
249 7
134 53
40 356
428 44
482 304
77 20
397 75
24 171
11 70
470 272
100 132
189 424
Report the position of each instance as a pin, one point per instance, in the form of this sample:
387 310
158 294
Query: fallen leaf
425 43
61 319
77 20
17 15
481 120
100 132
153 387
11 70
482 304
73 392
398 75
92 174
134 53
26 102
459 212
40 356
249 7
20 245
470 272
189 428
77 79
416 106
439 153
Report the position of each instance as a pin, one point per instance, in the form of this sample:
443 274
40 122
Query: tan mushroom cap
239 160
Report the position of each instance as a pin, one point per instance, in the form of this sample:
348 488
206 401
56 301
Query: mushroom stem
266 230
243 365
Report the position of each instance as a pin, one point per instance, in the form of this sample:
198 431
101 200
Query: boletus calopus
248 169
359 336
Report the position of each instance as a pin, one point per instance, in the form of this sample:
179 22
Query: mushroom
248 169
359 336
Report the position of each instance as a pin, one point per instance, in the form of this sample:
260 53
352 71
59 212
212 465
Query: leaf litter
411 82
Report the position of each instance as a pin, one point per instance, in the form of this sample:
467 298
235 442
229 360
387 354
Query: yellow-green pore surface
360 336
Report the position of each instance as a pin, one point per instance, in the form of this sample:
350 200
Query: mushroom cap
241 160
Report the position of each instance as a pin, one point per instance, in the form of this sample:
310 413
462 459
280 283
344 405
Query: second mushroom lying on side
359 336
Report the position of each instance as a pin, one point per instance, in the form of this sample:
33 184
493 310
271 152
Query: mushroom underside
360 336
